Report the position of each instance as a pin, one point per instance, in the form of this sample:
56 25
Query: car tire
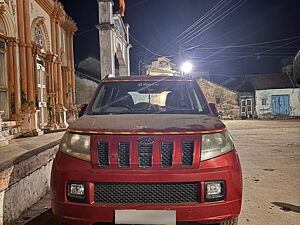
63 223
233 221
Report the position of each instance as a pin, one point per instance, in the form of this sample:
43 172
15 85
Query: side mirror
82 109
214 109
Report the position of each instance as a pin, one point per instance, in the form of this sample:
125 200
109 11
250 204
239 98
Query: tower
113 40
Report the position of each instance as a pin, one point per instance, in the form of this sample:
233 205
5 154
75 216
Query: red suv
147 150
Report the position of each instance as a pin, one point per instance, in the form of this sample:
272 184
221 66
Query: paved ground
270 157
20 146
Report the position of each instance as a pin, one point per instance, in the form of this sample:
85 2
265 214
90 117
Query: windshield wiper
180 111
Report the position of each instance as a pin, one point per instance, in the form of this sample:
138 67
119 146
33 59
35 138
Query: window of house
218 100
2 30
38 36
63 41
263 101
163 65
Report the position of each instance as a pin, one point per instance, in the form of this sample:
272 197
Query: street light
186 67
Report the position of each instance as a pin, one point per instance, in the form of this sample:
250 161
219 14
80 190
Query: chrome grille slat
167 154
103 158
187 153
124 154
146 193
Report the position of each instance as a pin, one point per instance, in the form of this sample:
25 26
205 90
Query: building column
60 109
11 80
51 91
69 67
65 87
29 62
54 69
22 55
16 83
72 72
59 72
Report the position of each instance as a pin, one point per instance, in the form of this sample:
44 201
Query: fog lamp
76 191
214 191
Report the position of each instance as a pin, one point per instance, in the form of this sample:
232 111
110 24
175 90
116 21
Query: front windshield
148 97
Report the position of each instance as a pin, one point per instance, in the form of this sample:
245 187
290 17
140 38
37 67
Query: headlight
76 145
214 145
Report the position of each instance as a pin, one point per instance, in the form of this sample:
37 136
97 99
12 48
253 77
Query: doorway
247 108
4 106
42 110
280 104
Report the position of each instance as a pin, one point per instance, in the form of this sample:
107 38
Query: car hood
147 123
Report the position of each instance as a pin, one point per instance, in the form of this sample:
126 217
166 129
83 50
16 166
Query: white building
278 102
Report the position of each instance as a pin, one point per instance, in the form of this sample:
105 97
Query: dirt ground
270 155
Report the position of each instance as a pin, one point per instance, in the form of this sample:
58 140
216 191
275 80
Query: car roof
146 78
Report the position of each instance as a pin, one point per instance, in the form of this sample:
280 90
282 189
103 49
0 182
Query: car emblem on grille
146 141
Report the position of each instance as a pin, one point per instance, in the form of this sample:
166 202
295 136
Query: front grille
149 152
145 155
187 153
146 193
166 154
103 153
124 154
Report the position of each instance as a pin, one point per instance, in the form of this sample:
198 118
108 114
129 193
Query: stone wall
24 181
85 89
225 99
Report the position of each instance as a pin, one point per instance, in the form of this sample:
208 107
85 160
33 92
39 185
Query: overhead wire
245 45
257 54
203 17
137 4
266 42
216 20
207 18
225 34
147 49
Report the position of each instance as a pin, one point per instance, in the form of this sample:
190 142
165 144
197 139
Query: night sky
157 28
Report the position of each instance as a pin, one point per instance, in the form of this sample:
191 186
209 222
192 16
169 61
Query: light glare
187 67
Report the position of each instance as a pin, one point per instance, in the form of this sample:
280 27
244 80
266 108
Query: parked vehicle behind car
151 149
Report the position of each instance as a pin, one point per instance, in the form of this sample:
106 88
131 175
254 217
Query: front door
42 95
280 104
246 108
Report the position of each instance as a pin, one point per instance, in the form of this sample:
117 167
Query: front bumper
226 168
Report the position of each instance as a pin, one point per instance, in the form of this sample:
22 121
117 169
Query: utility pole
140 62
180 58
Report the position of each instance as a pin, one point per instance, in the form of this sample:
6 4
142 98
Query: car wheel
233 221
63 223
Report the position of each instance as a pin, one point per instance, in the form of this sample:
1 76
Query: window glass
3 82
2 30
38 36
3 86
144 97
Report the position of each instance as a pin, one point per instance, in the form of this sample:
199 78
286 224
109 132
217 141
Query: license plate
145 217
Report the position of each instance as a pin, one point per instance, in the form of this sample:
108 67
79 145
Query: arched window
2 29
39 39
